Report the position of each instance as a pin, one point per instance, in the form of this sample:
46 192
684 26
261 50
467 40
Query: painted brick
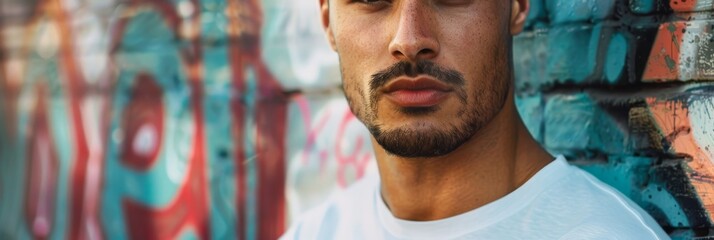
564 11
615 55
537 13
685 124
682 52
572 53
639 38
644 7
530 51
576 125
677 180
691 5
583 54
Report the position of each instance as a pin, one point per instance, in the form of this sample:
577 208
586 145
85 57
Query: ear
325 16
519 12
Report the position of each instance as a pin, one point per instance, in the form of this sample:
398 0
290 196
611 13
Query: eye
373 2
371 6
456 2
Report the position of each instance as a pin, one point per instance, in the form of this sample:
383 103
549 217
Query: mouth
416 92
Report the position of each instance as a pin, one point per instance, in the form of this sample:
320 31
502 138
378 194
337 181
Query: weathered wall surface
624 89
222 119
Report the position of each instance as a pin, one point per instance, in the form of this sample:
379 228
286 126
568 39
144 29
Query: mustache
421 67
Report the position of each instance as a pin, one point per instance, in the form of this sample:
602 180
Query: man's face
424 76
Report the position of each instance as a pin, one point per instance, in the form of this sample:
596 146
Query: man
433 82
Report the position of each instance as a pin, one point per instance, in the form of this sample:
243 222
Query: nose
414 37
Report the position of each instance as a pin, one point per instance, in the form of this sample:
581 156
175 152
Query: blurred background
224 119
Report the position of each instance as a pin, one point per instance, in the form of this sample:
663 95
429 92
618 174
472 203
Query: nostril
426 53
413 51
398 54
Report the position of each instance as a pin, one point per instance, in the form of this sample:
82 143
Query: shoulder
600 229
340 209
307 225
598 211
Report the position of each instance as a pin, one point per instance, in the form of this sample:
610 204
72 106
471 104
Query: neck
501 157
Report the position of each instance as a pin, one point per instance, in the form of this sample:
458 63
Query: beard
423 139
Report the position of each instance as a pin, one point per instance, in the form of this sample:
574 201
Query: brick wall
622 88
222 119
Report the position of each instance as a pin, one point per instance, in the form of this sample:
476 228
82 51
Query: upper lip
413 84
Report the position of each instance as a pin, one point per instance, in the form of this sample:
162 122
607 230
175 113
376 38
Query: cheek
361 42
354 81
471 36
481 52
357 63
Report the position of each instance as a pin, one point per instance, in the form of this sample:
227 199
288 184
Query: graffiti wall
623 88
224 119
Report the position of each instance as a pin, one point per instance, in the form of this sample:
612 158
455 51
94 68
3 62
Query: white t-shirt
559 202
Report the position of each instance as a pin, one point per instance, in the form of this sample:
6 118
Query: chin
419 111
423 124
420 137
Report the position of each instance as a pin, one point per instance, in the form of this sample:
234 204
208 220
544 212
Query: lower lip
417 98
